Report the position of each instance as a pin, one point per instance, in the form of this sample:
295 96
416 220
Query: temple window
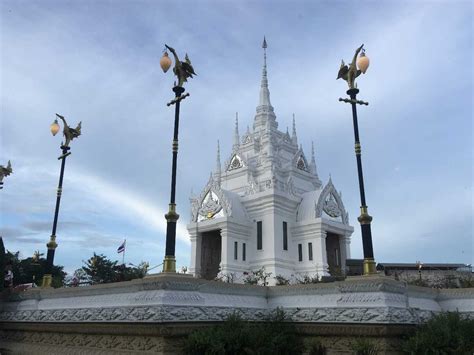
259 235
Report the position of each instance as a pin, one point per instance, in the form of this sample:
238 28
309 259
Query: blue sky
98 62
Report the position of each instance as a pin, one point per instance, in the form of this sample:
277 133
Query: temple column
343 253
320 253
196 241
347 245
226 249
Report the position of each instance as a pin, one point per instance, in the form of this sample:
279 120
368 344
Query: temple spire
236 144
312 164
217 173
264 92
265 112
294 139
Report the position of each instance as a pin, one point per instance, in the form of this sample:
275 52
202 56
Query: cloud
99 65
41 226
137 209
14 233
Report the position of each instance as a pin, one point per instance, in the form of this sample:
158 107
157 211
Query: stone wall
154 314
433 278
133 338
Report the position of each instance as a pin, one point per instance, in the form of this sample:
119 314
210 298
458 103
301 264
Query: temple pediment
215 202
300 162
235 162
330 205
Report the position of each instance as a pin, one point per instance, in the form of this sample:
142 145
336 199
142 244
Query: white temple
266 207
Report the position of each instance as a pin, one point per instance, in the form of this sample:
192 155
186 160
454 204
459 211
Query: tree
135 272
31 270
275 335
445 333
100 269
79 277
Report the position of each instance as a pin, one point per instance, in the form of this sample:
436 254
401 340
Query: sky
98 62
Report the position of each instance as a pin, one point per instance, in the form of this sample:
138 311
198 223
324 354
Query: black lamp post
350 73
182 70
419 265
69 135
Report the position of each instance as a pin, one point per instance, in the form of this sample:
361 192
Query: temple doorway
210 254
333 254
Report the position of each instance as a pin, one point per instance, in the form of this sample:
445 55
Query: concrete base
154 314
134 338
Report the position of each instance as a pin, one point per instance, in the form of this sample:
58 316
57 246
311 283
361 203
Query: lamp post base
47 280
369 266
169 264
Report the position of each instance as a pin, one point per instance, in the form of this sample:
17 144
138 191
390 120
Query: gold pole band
52 243
175 145
169 264
172 216
364 217
47 280
369 266
358 149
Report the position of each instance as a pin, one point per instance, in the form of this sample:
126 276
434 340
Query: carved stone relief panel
235 163
210 207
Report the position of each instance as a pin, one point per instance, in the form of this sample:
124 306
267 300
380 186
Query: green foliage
466 281
259 277
445 333
250 279
235 336
336 271
136 272
99 269
308 279
314 346
364 346
228 278
460 279
281 280
80 277
418 282
32 271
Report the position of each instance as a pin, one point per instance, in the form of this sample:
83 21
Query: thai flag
121 248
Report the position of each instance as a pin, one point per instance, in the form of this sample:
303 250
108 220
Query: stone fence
152 315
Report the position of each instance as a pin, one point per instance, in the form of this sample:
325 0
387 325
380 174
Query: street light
5 171
183 71
35 261
350 73
419 265
69 134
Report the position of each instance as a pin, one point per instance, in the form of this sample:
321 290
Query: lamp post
359 65
419 265
5 171
69 134
35 261
182 70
